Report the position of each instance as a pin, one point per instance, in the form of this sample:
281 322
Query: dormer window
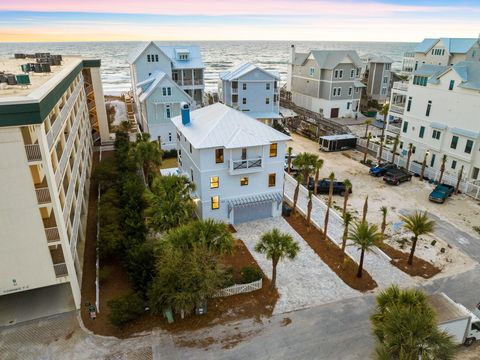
182 54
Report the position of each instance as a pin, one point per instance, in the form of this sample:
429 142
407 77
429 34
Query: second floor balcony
244 166
400 85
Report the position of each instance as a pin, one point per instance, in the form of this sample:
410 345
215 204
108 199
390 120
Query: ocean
217 55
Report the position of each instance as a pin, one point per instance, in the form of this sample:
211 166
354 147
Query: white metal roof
338 137
264 115
329 59
243 69
453 45
218 125
149 85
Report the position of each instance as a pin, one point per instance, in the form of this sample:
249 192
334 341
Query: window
148 58
244 86
273 149
190 148
214 182
384 91
453 144
156 58
338 74
178 136
414 148
422 132
432 160
244 101
272 179
388 66
191 174
405 126
267 100
267 86
420 80
436 134
218 156
169 136
341 74
350 90
454 164
352 73
312 71
451 85
401 145
215 201
169 91
358 71
429 108
244 181
409 103
348 105
244 153
385 79
469 146
168 112
356 90
475 173
337 91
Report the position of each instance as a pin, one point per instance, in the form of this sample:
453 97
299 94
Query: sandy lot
459 210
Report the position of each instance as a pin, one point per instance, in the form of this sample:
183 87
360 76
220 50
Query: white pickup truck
456 319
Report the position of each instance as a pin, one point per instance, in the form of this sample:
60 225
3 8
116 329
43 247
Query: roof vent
185 110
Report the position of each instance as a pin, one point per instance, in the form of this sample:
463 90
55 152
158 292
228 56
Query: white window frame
312 71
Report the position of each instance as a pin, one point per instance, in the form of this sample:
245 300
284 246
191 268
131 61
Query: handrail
246 163
43 195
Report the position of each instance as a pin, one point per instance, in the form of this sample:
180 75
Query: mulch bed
332 255
420 267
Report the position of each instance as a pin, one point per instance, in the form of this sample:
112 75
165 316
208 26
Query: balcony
33 152
400 85
60 269
234 90
43 195
397 108
245 166
89 89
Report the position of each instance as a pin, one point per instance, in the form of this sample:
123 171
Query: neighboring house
163 77
47 131
235 161
378 76
443 52
159 99
439 109
326 81
251 89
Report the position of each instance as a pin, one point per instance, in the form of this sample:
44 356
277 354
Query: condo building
48 123
235 161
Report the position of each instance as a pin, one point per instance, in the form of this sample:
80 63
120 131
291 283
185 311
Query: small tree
277 246
309 209
365 209
318 166
347 219
327 214
348 186
125 308
384 112
396 141
305 163
367 124
419 224
148 156
365 237
366 148
384 211
289 159
442 168
295 194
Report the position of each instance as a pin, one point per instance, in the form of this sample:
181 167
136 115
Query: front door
334 112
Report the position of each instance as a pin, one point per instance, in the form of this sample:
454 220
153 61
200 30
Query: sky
310 20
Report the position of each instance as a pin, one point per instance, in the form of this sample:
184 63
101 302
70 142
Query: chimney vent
185 110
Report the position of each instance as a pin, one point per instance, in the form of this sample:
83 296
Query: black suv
323 186
397 176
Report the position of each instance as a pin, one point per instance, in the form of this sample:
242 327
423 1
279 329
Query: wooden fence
240 289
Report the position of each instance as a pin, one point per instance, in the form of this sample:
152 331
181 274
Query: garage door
252 212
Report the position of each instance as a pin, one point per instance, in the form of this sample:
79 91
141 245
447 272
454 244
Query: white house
236 162
326 81
440 117
251 89
159 99
378 77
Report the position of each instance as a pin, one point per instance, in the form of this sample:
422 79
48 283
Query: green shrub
250 274
229 278
167 154
103 274
125 308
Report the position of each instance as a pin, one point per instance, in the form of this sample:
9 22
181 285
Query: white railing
60 269
33 152
240 289
234 90
52 234
60 120
393 129
43 195
397 108
247 164
78 211
68 147
400 85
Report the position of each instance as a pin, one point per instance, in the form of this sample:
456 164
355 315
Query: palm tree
394 150
459 179
384 211
317 167
305 162
410 152
365 209
366 148
424 164
277 246
365 237
348 186
295 194
309 209
289 161
347 219
383 112
405 327
367 124
419 224
327 214
148 156
442 168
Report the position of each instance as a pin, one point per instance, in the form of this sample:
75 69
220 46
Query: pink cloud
221 7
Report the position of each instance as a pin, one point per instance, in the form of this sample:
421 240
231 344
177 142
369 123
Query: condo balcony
397 108
51 229
58 260
42 192
400 85
33 152
245 166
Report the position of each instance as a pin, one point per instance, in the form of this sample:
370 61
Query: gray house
326 81
378 77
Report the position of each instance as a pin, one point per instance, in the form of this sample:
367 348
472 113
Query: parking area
459 210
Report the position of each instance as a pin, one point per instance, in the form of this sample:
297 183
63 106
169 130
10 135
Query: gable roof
469 72
243 69
453 45
218 125
329 59
149 85
194 55
136 53
380 59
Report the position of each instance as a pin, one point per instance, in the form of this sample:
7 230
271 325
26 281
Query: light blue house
159 99
252 90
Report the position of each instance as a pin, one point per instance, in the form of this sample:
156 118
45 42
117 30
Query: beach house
251 89
235 161
326 81
378 77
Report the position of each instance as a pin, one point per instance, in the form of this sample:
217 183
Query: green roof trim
36 111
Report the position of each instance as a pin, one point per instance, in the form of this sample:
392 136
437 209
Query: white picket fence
240 289
466 187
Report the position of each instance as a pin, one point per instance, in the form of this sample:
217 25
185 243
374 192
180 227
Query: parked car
441 193
380 170
397 176
293 168
323 186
